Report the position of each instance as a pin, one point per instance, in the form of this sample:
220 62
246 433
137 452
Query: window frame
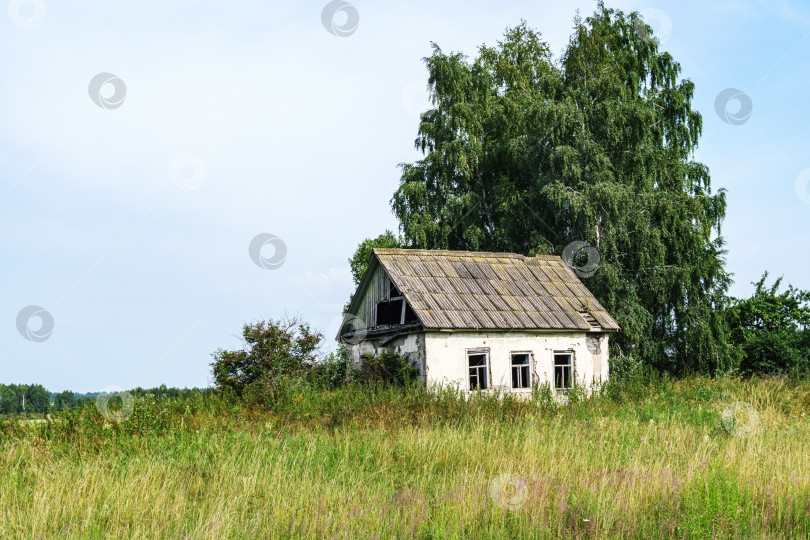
530 365
397 318
487 371
572 365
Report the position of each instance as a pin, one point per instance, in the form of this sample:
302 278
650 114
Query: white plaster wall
446 356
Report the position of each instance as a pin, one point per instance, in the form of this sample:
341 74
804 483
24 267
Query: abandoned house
480 321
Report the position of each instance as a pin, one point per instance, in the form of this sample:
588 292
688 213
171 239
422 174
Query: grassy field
653 458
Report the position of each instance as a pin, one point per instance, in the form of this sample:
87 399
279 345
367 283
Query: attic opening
395 310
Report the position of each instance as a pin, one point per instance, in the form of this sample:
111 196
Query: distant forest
34 398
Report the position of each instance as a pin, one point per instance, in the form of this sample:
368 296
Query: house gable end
378 302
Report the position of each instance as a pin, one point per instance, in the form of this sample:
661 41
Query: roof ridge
453 252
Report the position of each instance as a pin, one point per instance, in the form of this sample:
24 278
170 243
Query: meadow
647 457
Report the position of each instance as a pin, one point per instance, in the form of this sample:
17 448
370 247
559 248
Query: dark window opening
478 371
521 375
410 316
389 312
563 371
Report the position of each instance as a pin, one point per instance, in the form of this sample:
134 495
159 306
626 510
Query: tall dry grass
651 458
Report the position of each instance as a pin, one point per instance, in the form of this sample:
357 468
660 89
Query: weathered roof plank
499 291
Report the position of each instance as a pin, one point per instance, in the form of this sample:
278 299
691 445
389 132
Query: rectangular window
390 313
477 363
563 370
521 374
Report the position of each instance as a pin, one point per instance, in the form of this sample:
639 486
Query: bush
388 367
277 354
772 329
623 367
332 371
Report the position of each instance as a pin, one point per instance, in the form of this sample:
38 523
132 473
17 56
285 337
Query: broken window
395 311
410 316
563 370
390 312
478 371
521 374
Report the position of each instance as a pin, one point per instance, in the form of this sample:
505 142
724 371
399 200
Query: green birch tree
527 153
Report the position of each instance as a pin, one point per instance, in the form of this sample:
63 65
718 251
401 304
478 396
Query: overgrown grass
645 458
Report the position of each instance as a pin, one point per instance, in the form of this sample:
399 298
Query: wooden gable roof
467 290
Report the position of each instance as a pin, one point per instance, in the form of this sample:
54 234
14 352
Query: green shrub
332 371
276 354
772 329
388 367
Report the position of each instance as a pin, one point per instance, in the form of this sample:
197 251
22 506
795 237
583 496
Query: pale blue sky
143 262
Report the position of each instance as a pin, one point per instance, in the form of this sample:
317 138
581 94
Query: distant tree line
24 398
35 399
163 392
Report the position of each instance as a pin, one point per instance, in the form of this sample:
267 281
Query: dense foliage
24 398
282 359
276 353
36 400
388 367
65 400
526 154
773 329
